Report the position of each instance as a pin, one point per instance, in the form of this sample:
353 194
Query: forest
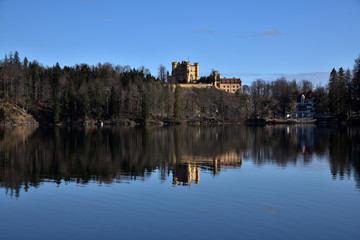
118 94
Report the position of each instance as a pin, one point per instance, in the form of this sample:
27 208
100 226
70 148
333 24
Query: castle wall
195 85
230 85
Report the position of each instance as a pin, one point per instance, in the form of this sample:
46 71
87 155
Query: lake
231 182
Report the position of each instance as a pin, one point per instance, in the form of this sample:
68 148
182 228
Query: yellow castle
184 72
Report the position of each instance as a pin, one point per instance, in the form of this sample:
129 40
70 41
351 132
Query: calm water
180 183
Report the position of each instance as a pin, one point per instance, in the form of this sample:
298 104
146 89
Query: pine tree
6 60
72 101
11 57
177 103
355 85
114 103
56 74
16 58
145 108
56 111
348 91
338 92
34 80
54 82
332 90
65 112
69 103
83 105
341 92
25 62
96 101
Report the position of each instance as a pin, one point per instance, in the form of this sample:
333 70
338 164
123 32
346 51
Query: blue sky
247 39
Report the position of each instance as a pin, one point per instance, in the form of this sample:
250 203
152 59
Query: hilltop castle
184 72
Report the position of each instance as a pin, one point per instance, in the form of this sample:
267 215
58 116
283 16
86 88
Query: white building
305 106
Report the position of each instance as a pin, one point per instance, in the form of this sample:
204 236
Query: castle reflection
187 169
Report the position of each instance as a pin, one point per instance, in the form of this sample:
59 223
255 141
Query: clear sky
302 39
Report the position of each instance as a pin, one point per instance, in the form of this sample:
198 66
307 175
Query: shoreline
195 122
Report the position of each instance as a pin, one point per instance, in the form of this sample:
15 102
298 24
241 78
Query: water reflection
186 169
29 156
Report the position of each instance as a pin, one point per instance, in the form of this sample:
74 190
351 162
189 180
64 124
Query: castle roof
230 80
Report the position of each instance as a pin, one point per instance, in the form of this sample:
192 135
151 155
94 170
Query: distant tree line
341 96
68 94
83 91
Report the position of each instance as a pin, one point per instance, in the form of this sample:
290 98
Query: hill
11 114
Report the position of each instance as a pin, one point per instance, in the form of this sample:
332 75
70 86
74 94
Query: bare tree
162 73
306 85
246 89
283 91
260 95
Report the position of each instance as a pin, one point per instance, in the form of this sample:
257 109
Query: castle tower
185 72
197 74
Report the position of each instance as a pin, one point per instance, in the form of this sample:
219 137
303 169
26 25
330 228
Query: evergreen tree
25 62
65 111
55 78
83 105
321 100
96 101
114 103
69 103
145 108
338 92
16 58
34 79
6 60
177 103
72 101
355 86
56 74
341 92
348 97
332 90
11 57
56 111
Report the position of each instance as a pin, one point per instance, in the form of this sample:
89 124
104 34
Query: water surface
180 182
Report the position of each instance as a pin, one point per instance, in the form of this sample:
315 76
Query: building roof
230 80
306 95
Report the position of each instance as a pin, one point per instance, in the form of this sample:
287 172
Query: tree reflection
30 156
344 152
